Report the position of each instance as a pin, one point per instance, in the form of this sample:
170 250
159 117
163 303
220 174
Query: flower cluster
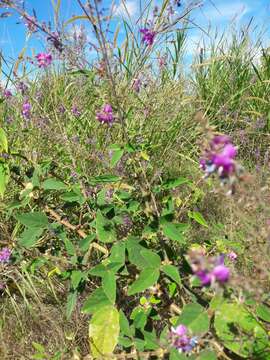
210 270
181 340
5 254
75 111
30 23
106 115
26 110
7 94
44 60
219 157
148 36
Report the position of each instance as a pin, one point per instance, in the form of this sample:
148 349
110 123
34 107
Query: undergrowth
135 194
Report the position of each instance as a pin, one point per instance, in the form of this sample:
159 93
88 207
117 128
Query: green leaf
263 312
71 303
103 332
195 318
116 156
104 179
3 141
146 279
151 342
98 270
239 331
124 324
134 253
173 233
68 244
85 243
153 260
118 253
4 177
105 229
109 285
175 355
125 342
53 184
72 196
38 347
96 301
207 355
76 277
197 216
30 237
172 272
173 183
34 220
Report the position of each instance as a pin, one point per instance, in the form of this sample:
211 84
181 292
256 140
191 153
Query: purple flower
44 60
219 158
137 83
7 94
209 270
148 36
221 274
26 110
232 256
22 87
180 330
204 277
181 340
106 115
30 23
75 111
5 254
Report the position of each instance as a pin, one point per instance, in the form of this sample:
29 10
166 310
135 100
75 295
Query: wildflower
137 85
22 87
148 36
7 94
75 111
30 23
181 340
5 254
209 270
55 41
26 110
61 109
44 60
162 61
106 114
219 158
232 256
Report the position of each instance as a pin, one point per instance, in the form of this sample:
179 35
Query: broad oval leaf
105 229
30 237
104 331
172 272
195 317
173 232
147 278
240 331
96 301
33 220
54 184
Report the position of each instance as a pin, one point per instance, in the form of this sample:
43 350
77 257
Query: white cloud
127 8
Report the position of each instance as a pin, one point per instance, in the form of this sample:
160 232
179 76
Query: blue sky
217 14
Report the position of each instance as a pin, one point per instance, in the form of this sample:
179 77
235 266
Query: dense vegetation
135 194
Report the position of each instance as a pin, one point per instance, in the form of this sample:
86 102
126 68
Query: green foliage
103 332
100 218
239 330
195 318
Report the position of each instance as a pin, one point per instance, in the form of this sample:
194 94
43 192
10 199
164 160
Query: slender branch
80 232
